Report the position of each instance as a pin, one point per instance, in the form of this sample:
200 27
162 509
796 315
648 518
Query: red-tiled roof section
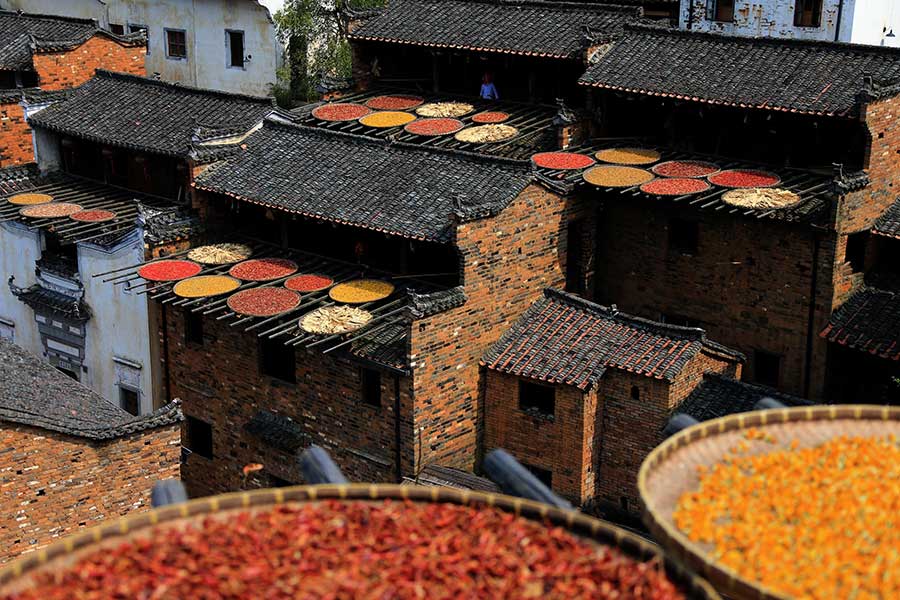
565 339
869 322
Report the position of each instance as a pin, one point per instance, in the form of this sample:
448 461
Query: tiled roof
775 74
395 188
34 393
386 347
46 300
869 322
425 305
718 396
148 115
565 339
277 431
438 476
531 27
888 224
19 178
22 34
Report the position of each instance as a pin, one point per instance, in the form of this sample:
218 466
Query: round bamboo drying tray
670 471
19 575
29 199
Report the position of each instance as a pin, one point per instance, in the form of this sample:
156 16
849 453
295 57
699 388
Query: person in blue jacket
488 89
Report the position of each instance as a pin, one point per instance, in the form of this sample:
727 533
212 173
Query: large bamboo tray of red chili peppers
782 503
352 541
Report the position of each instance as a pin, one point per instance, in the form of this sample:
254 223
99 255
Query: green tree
314 33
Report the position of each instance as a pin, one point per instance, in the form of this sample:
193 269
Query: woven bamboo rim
670 470
17 575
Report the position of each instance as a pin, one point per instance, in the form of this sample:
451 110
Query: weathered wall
53 484
220 383
506 262
16 147
117 341
20 247
563 445
62 70
749 284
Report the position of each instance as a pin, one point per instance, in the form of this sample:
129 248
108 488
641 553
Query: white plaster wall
205 22
870 20
861 21
20 248
120 324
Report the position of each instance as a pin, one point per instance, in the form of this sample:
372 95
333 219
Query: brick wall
749 285
507 261
564 445
62 70
629 428
220 383
16 147
52 484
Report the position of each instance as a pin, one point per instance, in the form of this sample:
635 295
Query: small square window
129 400
193 328
277 360
234 43
766 368
683 236
176 43
198 438
855 253
371 387
543 475
808 13
118 29
536 399
635 392
722 10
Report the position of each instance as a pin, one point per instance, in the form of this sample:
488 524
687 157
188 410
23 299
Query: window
371 387
722 10
635 393
855 253
574 256
277 360
134 28
234 47
766 368
683 236
199 437
808 13
117 29
536 399
680 320
543 475
129 400
176 43
193 328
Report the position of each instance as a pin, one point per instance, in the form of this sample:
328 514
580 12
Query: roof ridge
611 312
46 17
564 5
107 74
773 41
323 132
728 379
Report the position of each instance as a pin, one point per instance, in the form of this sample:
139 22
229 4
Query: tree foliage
314 33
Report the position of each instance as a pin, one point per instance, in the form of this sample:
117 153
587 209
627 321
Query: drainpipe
398 469
810 333
837 25
690 19
165 349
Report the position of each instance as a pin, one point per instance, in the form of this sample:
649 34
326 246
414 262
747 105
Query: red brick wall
749 284
15 135
61 70
564 445
220 383
507 261
52 484
629 429
859 210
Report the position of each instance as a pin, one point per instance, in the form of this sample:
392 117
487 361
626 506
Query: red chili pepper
263 269
438 126
340 112
685 168
398 102
674 186
744 178
308 283
559 161
334 549
263 302
169 270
